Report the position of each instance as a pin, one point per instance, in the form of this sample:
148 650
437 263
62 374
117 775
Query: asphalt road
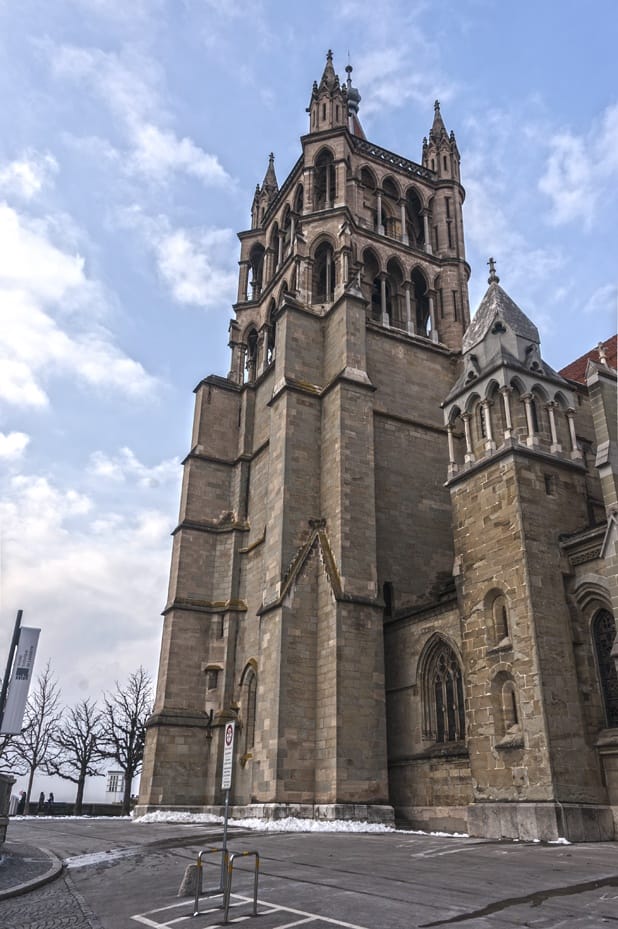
123 876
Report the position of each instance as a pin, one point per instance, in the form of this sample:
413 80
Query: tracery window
604 634
445 719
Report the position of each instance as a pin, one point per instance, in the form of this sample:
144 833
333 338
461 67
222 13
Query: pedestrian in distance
41 804
21 803
50 804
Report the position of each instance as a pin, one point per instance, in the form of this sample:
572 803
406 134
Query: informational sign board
228 755
19 684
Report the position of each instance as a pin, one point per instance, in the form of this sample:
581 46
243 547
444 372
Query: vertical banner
20 681
228 755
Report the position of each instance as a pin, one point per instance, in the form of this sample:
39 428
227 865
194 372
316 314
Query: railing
225 888
215 891
228 883
390 158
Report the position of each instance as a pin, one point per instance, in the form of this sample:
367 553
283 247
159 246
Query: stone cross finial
493 277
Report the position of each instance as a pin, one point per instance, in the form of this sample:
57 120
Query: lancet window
604 635
445 719
324 181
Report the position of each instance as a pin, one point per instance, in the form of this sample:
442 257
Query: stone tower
352 301
517 483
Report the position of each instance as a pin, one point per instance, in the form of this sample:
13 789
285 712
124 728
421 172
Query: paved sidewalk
25 867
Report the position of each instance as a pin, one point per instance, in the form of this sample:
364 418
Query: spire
269 184
329 78
438 128
354 98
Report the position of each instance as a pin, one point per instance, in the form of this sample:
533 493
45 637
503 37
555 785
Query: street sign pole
226 783
9 664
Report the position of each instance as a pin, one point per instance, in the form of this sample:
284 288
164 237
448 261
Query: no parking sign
228 754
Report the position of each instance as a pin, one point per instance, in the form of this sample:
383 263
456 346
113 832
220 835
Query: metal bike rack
228 883
216 891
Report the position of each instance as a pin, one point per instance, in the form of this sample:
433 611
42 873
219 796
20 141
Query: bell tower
314 478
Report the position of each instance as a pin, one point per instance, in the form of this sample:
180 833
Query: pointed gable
495 306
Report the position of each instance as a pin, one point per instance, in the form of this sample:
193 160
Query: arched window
415 226
501 618
480 414
323 274
252 344
445 719
271 333
324 181
256 261
604 634
394 294
420 299
248 707
299 199
390 210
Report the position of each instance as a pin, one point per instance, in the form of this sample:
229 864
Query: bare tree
34 747
125 713
78 740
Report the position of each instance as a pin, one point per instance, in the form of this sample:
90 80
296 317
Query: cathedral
395 566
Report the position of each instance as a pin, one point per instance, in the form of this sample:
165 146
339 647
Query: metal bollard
228 883
198 883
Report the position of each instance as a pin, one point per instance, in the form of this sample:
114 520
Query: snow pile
287 824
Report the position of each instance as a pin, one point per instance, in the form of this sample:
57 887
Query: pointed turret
265 194
354 98
269 184
440 152
328 107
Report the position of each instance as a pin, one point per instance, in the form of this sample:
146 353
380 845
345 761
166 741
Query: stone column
490 445
426 232
555 444
531 439
409 320
432 316
292 231
380 229
469 457
506 395
236 364
575 451
279 250
260 351
385 320
404 233
268 266
452 464
243 281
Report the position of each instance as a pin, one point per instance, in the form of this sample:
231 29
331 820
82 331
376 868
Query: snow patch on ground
287 824
112 854
73 818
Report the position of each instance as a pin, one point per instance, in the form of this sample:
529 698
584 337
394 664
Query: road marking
265 908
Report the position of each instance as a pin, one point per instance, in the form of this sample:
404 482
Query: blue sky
131 139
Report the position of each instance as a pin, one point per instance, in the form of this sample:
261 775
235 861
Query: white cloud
390 80
159 152
94 580
127 466
603 300
129 88
581 171
196 264
13 445
26 176
36 279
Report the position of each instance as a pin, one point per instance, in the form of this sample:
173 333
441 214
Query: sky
132 135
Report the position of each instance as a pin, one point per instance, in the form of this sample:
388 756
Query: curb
51 874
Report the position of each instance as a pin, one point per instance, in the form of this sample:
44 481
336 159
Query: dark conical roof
438 128
496 304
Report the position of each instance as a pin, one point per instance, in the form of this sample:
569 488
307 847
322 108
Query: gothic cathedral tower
313 503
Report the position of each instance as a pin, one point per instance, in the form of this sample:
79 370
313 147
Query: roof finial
493 277
602 354
436 105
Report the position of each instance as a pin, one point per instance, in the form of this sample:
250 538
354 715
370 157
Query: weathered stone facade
395 563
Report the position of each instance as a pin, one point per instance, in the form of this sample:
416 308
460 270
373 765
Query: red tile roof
576 371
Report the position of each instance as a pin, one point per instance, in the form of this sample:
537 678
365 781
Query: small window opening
481 422
323 111
549 484
455 306
212 679
449 233
444 162
534 415
389 598
441 296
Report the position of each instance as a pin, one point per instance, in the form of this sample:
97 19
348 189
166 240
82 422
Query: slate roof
497 303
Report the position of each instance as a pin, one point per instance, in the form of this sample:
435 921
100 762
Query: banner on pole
19 683
228 755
